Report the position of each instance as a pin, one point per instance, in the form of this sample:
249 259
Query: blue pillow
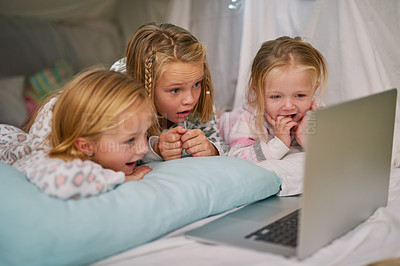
37 229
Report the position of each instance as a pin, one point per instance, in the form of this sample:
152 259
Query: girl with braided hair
172 65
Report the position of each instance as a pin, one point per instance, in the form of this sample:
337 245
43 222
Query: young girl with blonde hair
285 76
86 139
172 64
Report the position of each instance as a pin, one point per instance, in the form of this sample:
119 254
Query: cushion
36 229
12 104
47 81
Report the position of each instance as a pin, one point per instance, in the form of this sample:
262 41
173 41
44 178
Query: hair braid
148 79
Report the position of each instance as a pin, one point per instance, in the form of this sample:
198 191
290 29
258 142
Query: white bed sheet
374 240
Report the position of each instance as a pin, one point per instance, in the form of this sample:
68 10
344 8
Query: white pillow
12 104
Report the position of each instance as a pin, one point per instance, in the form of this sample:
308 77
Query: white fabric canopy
359 38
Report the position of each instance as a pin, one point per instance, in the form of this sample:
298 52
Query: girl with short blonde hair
87 138
285 76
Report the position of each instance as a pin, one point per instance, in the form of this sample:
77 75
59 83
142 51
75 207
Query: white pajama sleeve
245 144
273 149
151 155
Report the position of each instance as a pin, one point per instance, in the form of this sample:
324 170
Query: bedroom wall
43 43
85 32
36 34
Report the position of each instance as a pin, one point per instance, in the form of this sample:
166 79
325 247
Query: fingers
282 128
170 150
285 123
197 144
138 173
298 117
172 154
299 132
270 119
170 144
173 134
203 149
180 130
193 138
191 134
314 106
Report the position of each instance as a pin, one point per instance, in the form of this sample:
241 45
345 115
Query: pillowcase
37 229
12 105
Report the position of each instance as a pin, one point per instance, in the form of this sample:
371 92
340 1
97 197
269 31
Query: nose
188 98
288 105
141 147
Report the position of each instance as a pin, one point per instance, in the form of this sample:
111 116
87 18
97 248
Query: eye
274 96
301 95
174 91
197 84
130 141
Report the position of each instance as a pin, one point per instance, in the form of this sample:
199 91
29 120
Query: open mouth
291 116
131 164
184 113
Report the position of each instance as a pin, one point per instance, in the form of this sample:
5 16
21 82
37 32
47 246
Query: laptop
346 178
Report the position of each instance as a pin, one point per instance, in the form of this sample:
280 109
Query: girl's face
119 148
177 91
289 93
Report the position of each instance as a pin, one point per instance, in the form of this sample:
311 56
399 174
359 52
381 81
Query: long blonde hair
152 47
277 55
88 105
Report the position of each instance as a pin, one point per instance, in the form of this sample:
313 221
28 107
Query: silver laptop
346 178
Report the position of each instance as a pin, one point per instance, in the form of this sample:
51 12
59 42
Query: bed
375 240
143 223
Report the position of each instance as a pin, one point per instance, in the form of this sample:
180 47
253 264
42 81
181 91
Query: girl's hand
169 144
197 144
138 173
282 126
300 130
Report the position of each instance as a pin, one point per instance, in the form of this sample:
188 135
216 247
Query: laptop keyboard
282 231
